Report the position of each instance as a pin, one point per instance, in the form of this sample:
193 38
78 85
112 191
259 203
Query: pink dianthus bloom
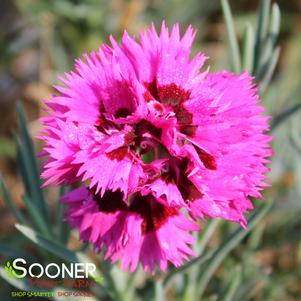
153 137
143 230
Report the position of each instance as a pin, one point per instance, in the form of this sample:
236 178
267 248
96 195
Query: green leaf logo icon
9 270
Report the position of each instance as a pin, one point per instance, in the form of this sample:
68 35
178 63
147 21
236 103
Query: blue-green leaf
262 29
61 227
36 217
278 120
29 167
228 245
10 203
51 246
234 49
233 286
248 50
269 70
54 247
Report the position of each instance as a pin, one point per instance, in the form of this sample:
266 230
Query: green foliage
260 52
9 202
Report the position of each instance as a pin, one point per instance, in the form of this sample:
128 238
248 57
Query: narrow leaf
234 49
29 163
112 286
256 237
54 247
62 228
197 260
10 203
8 251
269 44
207 234
193 271
21 165
51 246
228 245
269 70
233 286
275 23
36 217
278 120
248 50
262 28
246 290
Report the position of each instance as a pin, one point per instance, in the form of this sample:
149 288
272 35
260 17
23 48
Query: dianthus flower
156 144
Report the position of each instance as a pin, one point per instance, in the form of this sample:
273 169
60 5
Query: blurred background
40 39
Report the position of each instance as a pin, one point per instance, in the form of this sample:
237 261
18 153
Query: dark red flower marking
111 201
172 94
188 130
118 153
103 124
145 126
184 117
207 159
177 174
151 90
153 213
122 113
129 138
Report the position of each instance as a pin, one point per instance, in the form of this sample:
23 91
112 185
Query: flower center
173 97
144 142
147 141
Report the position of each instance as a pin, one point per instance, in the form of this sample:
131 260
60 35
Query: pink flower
145 230
140 123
